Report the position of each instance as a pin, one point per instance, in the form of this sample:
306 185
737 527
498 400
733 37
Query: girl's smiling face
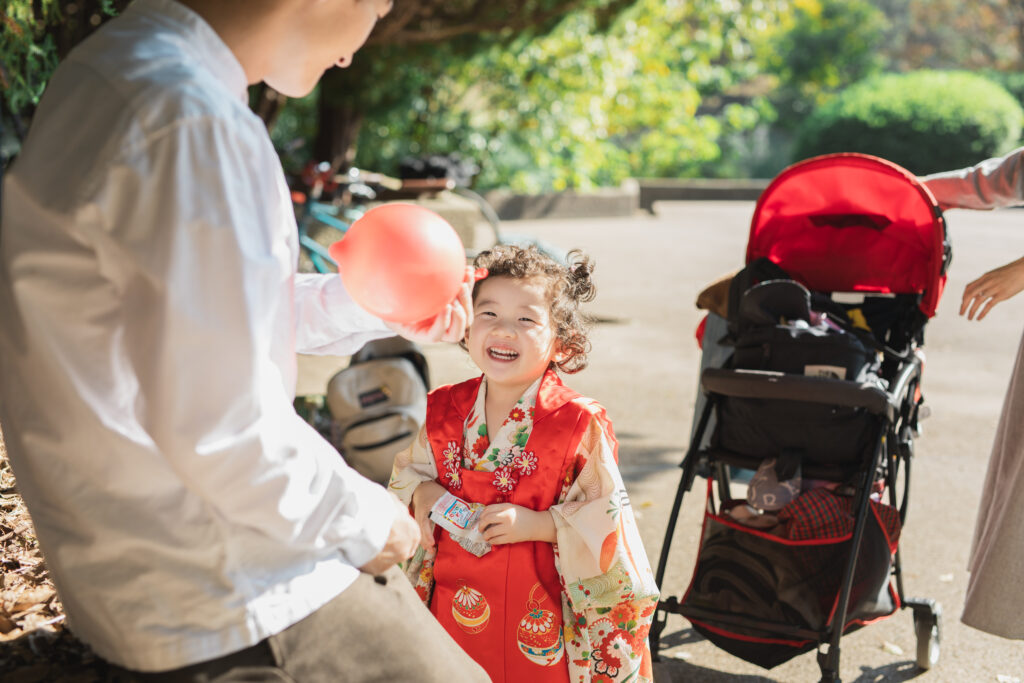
511 339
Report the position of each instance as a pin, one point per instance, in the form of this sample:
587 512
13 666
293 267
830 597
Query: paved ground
644 370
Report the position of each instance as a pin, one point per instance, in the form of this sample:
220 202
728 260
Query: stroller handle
764 384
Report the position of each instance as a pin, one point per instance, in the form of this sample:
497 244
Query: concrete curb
633 195
663 189
612 201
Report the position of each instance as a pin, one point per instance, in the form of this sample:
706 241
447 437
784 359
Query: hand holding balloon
449 325
406 265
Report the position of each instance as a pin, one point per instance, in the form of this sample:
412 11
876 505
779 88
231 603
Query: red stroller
846 263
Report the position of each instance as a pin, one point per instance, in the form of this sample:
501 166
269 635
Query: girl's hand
423 498
508 523
991 288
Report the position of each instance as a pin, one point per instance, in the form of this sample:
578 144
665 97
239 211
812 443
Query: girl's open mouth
498 353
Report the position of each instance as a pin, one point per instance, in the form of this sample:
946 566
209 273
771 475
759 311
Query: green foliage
926 121
295 127
1013 81
578 107
27 53
34 36
819 47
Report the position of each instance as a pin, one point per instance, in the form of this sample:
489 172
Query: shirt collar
200 39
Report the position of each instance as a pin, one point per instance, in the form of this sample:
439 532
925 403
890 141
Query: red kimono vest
505 608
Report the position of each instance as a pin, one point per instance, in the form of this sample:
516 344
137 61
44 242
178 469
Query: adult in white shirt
995 590
191 521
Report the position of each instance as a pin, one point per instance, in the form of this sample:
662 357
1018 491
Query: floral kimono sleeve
413 466
610 594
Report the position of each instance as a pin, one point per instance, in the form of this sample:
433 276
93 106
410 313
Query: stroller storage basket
767 599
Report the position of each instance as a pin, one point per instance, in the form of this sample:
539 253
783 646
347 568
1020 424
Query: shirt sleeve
328 321
990 184
200 246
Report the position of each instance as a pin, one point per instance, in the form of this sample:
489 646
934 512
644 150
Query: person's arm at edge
990 184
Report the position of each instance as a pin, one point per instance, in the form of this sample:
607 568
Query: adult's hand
401 543
450 324
991 288
423 499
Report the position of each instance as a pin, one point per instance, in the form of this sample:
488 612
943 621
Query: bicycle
335 200
332 202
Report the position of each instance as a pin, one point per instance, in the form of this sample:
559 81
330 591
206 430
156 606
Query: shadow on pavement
899 671
638 463
676 670
670 670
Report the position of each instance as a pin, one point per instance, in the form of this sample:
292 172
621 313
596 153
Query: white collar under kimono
488 454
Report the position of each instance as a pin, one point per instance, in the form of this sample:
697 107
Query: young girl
565 592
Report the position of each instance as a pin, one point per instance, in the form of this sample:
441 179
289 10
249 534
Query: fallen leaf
20 617
946 578
13 634
892 648
6 625
682 655
31 598
1003 678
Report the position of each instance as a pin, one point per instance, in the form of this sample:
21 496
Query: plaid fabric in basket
821 513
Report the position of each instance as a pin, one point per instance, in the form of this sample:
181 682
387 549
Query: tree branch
404 29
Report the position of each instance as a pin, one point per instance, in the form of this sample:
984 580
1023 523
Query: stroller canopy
853 223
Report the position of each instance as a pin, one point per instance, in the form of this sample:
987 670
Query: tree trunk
268 105
337 133
1016 11
78 20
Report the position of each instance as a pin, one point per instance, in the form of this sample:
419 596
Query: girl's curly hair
567 286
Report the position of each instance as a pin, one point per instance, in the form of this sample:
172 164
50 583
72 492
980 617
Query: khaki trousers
376 630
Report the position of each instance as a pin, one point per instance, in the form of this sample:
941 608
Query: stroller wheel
927 628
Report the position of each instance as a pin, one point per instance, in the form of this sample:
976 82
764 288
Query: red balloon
401 262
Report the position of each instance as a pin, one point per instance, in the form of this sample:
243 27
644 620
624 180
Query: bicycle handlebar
427 184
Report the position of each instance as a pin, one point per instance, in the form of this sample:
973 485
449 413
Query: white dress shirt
150 314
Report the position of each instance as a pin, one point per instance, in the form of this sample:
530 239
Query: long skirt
995 591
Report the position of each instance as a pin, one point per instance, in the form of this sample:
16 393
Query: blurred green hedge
926 121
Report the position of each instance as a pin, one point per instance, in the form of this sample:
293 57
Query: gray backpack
377 405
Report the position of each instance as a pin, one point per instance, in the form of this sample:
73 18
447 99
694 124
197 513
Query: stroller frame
894 412
893 451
